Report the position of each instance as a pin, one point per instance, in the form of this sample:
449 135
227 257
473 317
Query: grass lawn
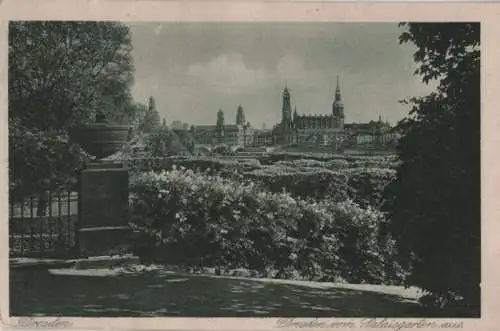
159 293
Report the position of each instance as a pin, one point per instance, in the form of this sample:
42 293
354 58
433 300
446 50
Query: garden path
160 293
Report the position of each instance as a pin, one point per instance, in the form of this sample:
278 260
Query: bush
164 142
302 163
368 255
368 185
211 165
365 186
304 183
336 164
207 221
374 163
290 156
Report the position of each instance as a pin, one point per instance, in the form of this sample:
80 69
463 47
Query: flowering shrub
363 185
302 178
305 183
384 163
213 165
324 157
339 163
290 156
336 164
198 219
301 163
292 163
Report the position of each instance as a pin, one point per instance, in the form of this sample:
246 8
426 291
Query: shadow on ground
154 293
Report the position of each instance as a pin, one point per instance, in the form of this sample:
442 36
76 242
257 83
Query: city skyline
195 69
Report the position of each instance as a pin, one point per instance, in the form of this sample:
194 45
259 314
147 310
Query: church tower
240 116
286 110
219 128
286 135
338 108
220 120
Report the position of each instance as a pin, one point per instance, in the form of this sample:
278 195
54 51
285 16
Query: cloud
291 67
291 70
193 69
227 73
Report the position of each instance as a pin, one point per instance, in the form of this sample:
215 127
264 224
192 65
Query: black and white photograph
244 169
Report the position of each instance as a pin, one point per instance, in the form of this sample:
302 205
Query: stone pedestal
103 225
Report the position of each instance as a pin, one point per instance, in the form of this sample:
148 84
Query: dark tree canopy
61 73
164 142
435 202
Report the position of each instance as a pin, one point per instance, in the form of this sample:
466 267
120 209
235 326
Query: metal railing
44 226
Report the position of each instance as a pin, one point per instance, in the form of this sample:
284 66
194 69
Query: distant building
239 134
263 138
371 134
327 131
178 125
151 120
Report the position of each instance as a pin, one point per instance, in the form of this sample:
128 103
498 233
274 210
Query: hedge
298 161
290 156
303 178
195 219
365 186
212 165
304 183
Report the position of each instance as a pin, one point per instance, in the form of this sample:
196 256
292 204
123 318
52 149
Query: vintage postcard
249 165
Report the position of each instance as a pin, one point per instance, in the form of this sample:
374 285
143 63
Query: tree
434 205
60 75
187 139
163 142
40 160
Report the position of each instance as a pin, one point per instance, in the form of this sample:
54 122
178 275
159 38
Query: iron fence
44 226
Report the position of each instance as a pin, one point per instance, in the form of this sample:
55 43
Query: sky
193 69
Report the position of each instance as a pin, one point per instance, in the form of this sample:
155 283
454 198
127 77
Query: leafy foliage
204 220
301 178
187 139
60 75
364 186
369 184
435 202
32 153
163 142
304 183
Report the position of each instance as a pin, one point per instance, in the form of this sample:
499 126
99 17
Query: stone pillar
103 208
